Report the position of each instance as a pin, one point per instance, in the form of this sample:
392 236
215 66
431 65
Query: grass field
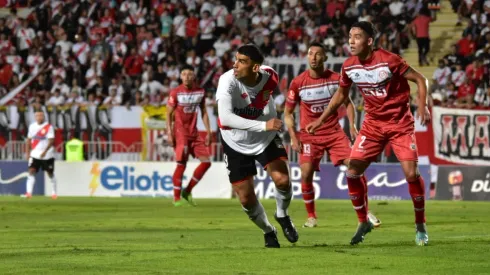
150 236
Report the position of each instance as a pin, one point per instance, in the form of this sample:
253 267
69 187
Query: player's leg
274 160
368 145
309 163
245 192
199 150
181 156
33 167
49 168
241 169
338 147
404 146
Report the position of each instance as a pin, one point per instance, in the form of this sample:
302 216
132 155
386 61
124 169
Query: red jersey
314 94
186 102
380 80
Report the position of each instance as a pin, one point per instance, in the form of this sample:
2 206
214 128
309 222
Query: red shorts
374 136
195 147
336 144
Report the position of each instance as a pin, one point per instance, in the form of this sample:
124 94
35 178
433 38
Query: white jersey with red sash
236 101
39 135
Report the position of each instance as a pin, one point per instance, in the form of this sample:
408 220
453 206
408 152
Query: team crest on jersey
266 95
383 75
244 95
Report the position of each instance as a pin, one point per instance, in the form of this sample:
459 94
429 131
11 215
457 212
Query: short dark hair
367 27
187 67
253 52
318 44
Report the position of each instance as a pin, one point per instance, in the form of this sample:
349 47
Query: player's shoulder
332 75
268 70
176 89
350 62
228 77
387 55
302 77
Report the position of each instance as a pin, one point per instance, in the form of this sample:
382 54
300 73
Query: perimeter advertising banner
461 136
13 177
135 179
386 182
469 183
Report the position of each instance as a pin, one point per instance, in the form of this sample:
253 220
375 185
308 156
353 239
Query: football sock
257 215
309 198
283 199
364 182
30 184
54 185
197 176
356 194
417 192
177 180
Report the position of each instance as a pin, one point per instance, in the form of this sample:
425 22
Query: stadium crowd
130 52
462 77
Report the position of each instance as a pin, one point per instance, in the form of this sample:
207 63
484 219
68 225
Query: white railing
117 151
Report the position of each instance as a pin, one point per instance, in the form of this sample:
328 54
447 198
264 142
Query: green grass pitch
150 236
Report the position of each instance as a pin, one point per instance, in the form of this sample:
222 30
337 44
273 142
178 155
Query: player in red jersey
314 89
182 108
382 79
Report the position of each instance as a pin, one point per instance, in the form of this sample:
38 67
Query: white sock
258 216
283 199
30 184
55 187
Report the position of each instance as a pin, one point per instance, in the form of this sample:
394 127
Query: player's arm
229 119
423 99
291 102
50 137
351 115
28 148
172 103
205 121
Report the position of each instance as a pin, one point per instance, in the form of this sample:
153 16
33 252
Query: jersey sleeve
397 64
226 117
293 95
30 134
50 133
345 81
172 99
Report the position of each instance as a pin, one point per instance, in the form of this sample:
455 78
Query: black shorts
241 166
45 164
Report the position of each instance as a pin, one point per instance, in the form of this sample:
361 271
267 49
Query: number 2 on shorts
363 138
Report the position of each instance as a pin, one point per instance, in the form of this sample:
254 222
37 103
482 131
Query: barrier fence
154 179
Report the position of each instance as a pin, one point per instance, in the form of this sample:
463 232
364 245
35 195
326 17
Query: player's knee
282 181
32 172
248 199
356 167
411 175
307 175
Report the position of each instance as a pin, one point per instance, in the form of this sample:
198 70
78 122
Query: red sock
417 192
364 182
309 198
357 193
177 180
197 176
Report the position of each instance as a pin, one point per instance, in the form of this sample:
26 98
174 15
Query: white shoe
310 222
375 221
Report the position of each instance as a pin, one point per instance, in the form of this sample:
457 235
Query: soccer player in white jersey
40 142
248 127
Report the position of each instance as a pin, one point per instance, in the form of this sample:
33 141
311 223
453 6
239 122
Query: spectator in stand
420 27
466 93
458 77
441 77
453 58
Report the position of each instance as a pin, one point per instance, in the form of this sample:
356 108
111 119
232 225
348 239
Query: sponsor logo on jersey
248 112
317 108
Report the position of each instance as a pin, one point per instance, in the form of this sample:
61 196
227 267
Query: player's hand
296 145
312 127
274 124
353 131
43 154
424 115
208 139
170 140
